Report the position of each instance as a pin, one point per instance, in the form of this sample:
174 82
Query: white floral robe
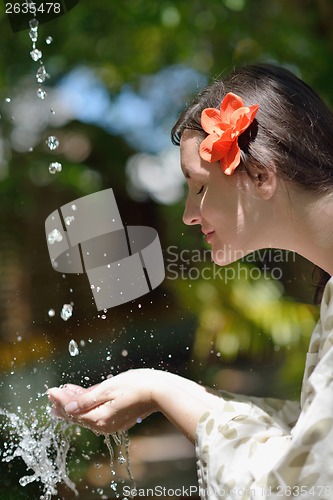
262 448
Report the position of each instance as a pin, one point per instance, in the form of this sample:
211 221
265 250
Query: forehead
189 151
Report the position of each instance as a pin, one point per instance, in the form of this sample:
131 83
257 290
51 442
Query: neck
307 227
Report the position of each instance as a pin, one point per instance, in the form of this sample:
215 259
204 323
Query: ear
265 182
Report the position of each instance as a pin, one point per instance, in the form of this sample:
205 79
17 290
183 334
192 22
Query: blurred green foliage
210 37
259 323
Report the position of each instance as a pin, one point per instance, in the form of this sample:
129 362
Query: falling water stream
40 439
43 444
43 441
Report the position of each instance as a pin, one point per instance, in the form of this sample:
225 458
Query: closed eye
200 190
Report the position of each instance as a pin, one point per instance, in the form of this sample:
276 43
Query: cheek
211 207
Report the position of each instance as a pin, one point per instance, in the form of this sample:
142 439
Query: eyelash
200 190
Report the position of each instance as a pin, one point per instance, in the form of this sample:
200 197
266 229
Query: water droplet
103 316
69 220
49 40
8 99
33 35
52 111
27 479
33 23
41 74
41 93
52 142
66 311
55 167
54 236
36 54
74 207
73 348
124 352
121 459
139 306
51 313
113 485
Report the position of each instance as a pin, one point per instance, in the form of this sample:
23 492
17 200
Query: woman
257 154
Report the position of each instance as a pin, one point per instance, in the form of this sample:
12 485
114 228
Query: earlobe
266 183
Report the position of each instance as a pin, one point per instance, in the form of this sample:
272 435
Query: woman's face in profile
227 208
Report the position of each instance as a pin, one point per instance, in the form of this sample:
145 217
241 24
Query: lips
208 235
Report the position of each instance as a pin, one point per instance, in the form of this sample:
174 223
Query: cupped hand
111 406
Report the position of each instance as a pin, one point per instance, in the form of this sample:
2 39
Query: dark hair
292 132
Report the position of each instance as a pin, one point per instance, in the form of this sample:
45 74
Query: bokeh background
119 74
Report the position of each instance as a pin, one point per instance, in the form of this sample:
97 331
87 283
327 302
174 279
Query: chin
225 255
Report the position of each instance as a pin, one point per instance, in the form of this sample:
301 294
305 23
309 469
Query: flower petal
210 117
215 146
238 115
220 148
231 160
253 111
206 147
230 103
223 128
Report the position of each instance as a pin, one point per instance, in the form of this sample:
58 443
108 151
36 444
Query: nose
191 214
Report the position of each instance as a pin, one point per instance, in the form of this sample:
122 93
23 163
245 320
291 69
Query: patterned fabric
263 448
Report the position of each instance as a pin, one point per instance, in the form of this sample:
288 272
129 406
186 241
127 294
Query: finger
104 420
89 400
73 389
60 396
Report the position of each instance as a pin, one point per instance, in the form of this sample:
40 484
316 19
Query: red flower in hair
223 127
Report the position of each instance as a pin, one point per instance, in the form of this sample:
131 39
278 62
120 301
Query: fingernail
72 407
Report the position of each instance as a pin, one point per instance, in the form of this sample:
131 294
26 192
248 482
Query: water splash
42 441
121 440
34 23
42 74
55 167
73 348
36 54
41 93
52 142
53 236
66 312
33 35
69 219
